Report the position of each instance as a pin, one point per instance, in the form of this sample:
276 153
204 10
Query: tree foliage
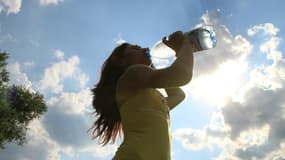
18 107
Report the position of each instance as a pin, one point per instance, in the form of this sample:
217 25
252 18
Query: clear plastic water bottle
162 55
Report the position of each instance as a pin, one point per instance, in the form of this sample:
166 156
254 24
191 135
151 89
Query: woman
125 99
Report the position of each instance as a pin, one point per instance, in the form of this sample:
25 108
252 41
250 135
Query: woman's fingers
174 40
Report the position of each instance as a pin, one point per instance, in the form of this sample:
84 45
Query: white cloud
271 76
56 134
253 137
65 69
17 77
10 6
268 77
218 134
192 139
59 54
39 145
69 114
215 133
217 124
267 28
270 45
49 2
256 122
270 48
14 6
278 154
39 136
261 107
229 47
68 121
101 152
83 79
72 103
252 125
63 129
54 75
49 141
67 117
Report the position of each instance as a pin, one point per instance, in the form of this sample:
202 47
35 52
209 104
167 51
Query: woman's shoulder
130 82
137 68
134 76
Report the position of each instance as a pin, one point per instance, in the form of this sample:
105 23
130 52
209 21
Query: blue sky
235 106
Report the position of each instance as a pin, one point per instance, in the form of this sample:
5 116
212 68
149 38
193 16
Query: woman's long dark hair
108 123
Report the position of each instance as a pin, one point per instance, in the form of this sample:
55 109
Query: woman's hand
174 41
175 95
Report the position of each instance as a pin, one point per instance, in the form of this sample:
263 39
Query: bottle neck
161 51
149 55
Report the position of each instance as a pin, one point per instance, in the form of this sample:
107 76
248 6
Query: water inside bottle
161 55
161 51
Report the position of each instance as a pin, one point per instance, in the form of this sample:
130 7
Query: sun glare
219 86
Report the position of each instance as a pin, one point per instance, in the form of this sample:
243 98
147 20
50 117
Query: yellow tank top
145 119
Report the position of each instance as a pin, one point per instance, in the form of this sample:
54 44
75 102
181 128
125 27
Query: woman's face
135 54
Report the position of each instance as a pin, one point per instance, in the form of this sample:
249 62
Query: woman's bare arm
178 74
140 76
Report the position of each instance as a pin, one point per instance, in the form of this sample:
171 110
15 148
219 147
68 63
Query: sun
217 87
